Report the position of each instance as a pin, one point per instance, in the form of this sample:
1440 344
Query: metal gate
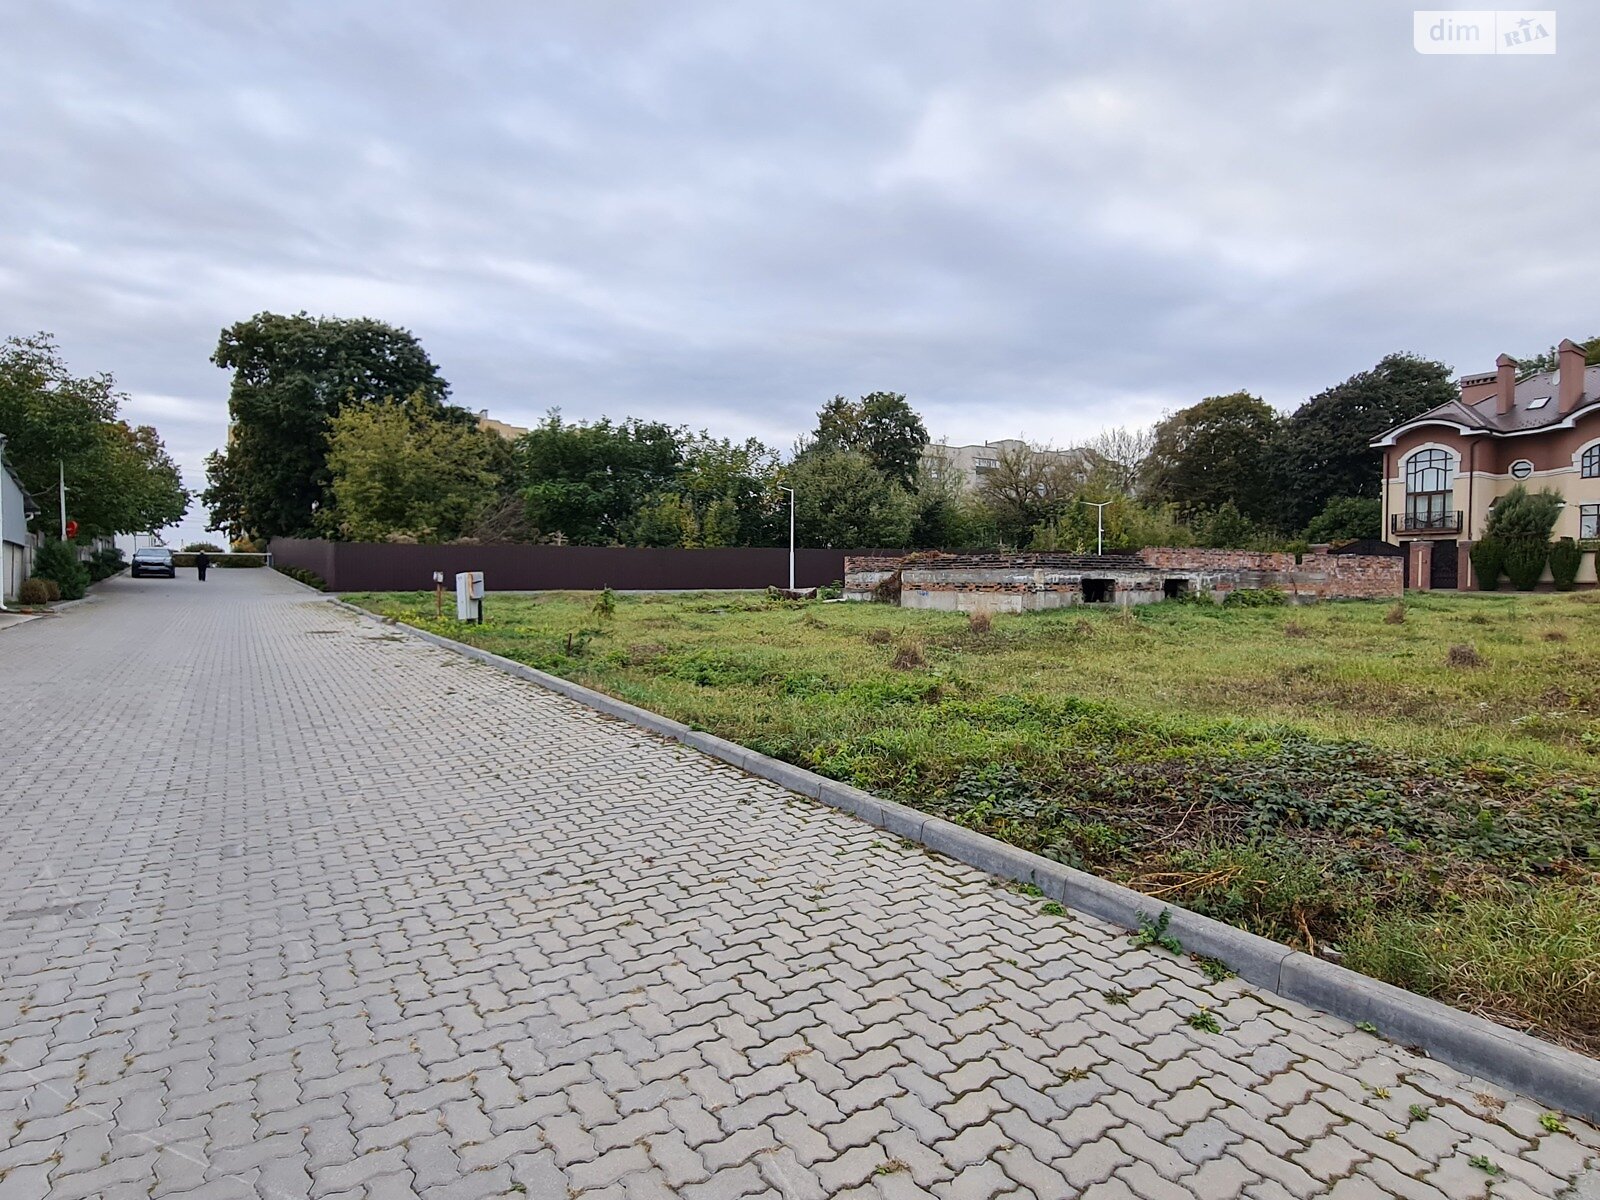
1442 574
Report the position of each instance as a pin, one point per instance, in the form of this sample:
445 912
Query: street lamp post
790 490
1100 523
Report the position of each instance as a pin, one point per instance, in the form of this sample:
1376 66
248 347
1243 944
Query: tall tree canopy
881 426
399 468
843 500
1214 453
1323 450
1030 485
120 478
588 482
291 376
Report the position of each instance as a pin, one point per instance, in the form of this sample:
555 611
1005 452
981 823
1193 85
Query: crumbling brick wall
1023 582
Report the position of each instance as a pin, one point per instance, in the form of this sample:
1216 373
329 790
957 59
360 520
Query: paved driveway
292 905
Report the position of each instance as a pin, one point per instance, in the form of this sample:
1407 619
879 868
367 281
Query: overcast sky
1033 218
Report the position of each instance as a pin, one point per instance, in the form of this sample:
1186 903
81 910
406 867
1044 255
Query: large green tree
842 500
1214 453
120 478
1030 485
291 376
397 468
1324 449
588 482
881 426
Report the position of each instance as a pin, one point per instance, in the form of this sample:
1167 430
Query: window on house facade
1589 464
1589 520
1521 469
1429 479
984 465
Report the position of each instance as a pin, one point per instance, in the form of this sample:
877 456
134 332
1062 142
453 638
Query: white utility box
469 596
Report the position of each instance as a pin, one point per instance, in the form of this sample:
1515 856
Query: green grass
1340 782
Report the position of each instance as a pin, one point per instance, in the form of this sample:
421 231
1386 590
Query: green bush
309 578
1255 598
197 547
59 561
103 564
1521 513
1345 518
1565 558
1488 562
35 591
1525 557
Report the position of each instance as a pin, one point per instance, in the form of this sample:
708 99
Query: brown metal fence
509 567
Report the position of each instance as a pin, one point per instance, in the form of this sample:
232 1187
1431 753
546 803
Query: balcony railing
1425 522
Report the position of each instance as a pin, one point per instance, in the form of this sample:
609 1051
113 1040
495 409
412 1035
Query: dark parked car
153 560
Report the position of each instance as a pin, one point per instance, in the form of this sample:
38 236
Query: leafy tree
1324 449
1115 459
588 482
667 520
120 478
1127 525
397 468
1225 529
1347 517
1030 485
882 426
732 487
1214 453
842 500
1550 360
291 376
948 516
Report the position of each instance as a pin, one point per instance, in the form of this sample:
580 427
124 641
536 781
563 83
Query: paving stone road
293 905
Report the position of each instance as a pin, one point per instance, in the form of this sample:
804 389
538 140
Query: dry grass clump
1396 615
1464 656
1295 630
979 622
879 636
908 655
1554 635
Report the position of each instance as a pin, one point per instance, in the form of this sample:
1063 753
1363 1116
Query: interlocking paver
314 909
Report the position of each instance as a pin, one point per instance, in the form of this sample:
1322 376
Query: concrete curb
1558 1078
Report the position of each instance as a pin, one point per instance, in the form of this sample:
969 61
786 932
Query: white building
16 543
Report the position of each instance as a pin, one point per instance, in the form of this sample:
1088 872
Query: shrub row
309 578
1523 559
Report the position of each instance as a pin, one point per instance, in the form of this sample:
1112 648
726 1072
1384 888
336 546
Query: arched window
1589 464
1430 475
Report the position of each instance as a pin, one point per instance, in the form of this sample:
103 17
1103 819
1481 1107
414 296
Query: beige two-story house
1444 470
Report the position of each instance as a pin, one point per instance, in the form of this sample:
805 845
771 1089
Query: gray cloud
1035 217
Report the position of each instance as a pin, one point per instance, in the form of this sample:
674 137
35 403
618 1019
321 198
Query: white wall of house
16 563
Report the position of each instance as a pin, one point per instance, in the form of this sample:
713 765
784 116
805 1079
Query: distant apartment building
489 425
1444 470
970 464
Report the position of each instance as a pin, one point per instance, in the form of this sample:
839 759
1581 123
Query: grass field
1416 786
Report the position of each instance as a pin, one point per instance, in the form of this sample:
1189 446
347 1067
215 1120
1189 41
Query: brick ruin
1027 582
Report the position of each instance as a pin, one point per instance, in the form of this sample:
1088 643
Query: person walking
201 562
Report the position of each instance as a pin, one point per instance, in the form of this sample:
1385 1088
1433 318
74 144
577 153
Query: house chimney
1505 383
1572 359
